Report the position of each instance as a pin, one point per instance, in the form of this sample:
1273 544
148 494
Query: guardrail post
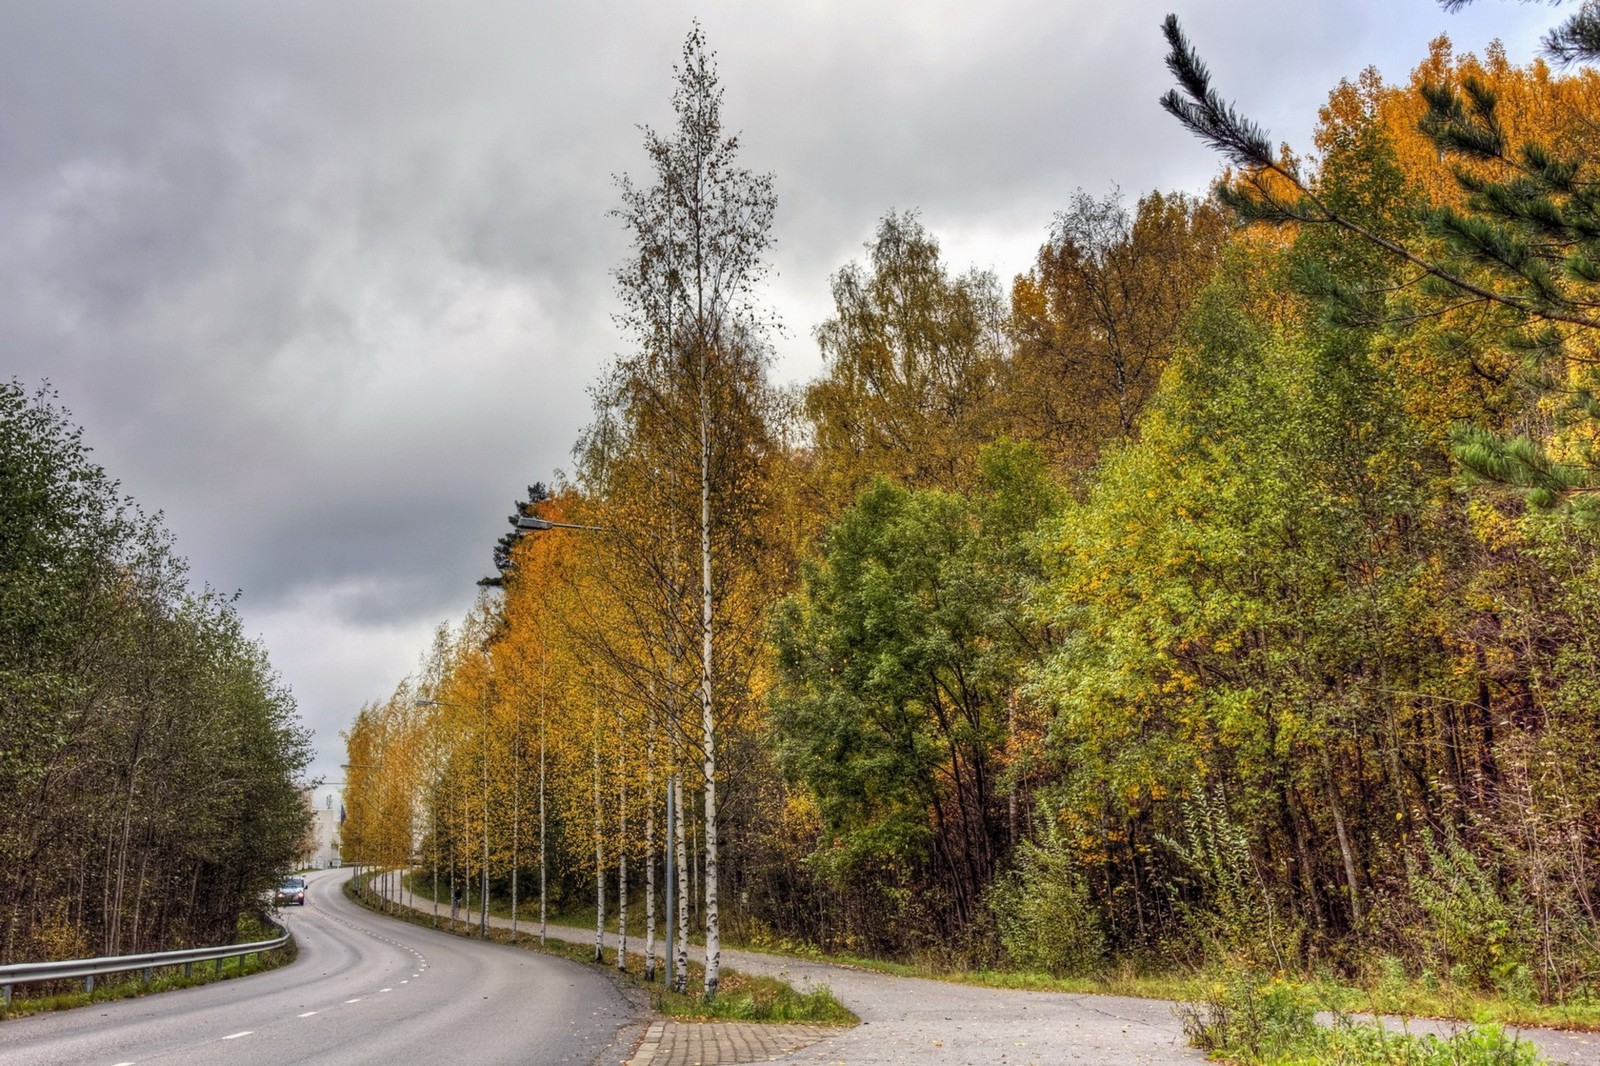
219 967
148 973
88 983
188 969
5 994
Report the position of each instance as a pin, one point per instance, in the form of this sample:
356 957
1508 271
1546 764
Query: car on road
291 890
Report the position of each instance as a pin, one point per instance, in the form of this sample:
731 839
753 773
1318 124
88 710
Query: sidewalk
908 1021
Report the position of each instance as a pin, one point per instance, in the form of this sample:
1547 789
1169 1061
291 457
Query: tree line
1223 588
148 753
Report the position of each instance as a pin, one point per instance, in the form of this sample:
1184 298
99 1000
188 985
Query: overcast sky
325 281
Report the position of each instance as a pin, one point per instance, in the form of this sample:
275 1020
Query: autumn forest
1224 587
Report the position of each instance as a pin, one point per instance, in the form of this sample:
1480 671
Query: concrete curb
646 1055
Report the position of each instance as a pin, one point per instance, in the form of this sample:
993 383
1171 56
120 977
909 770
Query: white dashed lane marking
235 1036
307 1014
356 1000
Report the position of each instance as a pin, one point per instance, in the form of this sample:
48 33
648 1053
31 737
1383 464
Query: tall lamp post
483 897
359 766
533 523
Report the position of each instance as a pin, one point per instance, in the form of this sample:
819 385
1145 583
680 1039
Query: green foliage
1046 918
755 999
1478 929
1235 916
898 660
1255 1019
1523 244
147 751
1234 597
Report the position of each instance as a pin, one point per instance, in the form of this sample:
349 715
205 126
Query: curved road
364 990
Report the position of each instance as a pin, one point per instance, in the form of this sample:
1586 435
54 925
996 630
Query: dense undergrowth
1255 1019
1383 986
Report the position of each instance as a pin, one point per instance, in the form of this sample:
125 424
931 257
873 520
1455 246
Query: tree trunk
650 849
1337 810
707 717
680 976
622 854
599 854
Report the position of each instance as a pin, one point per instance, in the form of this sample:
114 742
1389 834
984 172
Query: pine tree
1576 40
1526 243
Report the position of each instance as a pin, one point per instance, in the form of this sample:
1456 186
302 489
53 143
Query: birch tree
694 393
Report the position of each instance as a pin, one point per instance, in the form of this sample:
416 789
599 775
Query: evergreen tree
505 547
1526 243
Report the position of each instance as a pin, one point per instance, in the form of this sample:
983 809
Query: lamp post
533 523
483 897
359 766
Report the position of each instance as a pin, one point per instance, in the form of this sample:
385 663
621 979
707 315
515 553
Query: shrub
1475 929
1235 916
1043 911
1255 1019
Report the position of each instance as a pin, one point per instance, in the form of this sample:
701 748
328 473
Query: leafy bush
1043 911
1476 930
1235 916
1255 1019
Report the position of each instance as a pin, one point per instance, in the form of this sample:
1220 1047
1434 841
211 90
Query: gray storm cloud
326 282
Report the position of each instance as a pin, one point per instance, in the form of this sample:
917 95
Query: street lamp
535 523
359 766
483 898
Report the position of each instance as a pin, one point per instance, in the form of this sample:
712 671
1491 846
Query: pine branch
1578 39
1204 113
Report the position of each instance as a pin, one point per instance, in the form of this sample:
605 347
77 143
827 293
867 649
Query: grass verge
740 997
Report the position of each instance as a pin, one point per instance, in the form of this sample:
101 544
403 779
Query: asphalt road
364 989
906 1021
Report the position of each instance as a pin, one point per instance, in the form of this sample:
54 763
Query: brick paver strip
675 1043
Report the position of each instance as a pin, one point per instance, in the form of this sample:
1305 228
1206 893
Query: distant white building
321 849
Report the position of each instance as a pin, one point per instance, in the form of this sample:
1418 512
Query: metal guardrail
88 969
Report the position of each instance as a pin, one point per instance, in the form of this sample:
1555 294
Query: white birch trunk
622 853
599 856
650 849
680 975
707 718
